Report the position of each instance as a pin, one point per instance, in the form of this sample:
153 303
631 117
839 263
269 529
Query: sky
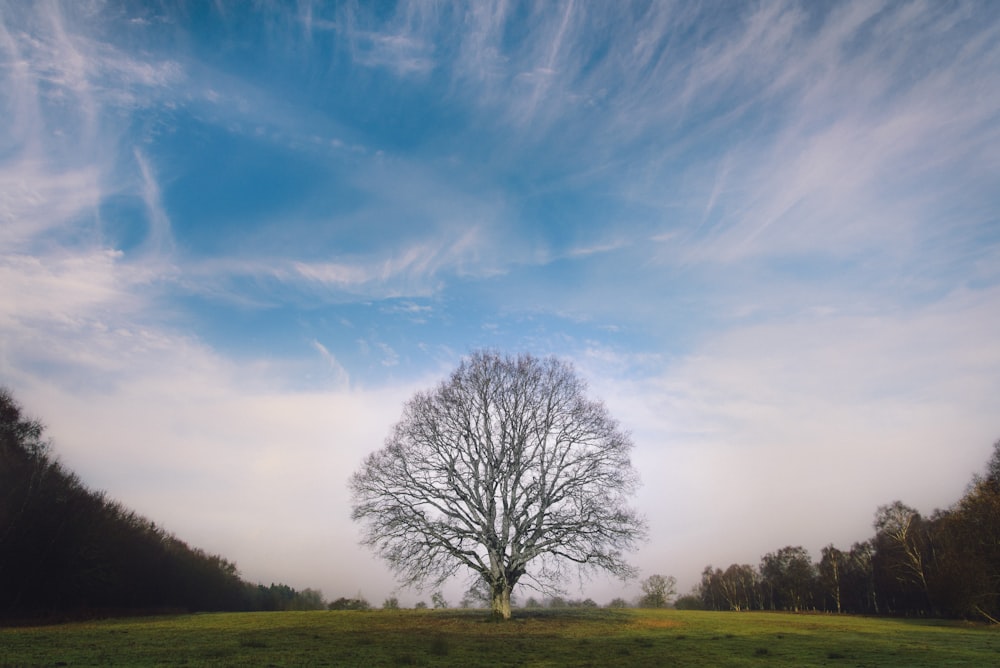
236 237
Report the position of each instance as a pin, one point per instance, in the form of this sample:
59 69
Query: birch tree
831 575
505 470
900 535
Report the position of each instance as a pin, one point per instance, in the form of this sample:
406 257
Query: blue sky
235 238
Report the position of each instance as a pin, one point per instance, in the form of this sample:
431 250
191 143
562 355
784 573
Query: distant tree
310 599
992 477
897 523
477 595
787 576
391 603
506 469
532 602
421 605
343 603
438 600
557 602
24 464
979 519
282 597
901 546
965 576
657 591
618 603
859 594
689 602
710 589
739 586
831 575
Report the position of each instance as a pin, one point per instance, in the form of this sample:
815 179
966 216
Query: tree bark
501 601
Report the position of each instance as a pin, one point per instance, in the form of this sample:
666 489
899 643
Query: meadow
533 638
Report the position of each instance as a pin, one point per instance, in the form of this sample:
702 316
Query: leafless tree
506 469
657 591
831 574
899 525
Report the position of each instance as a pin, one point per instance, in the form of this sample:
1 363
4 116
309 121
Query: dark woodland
67 551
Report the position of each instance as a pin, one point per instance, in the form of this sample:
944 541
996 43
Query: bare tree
657 591
740 587
901 536
831 575
504 465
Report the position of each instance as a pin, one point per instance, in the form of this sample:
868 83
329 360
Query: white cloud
64 75
401 45
340 376
160 240
409 308
595 249
872 138
389 356
59 287
481 57
35 200
412 271
340 275
68 94
401 53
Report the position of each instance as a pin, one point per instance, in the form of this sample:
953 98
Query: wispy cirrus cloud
831 142
417 268
160 239
64 287
64 88
400 44
340 375
412 271
864 138
402 54
842 176
72 300
35 200
63 75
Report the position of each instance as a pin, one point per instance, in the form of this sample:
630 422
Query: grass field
466 638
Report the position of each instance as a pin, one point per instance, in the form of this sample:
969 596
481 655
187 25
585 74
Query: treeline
945 565
66 550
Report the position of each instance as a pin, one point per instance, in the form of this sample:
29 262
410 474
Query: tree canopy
506 470
657 591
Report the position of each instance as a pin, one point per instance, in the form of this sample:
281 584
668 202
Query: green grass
464 638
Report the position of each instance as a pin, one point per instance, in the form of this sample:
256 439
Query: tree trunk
501 601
